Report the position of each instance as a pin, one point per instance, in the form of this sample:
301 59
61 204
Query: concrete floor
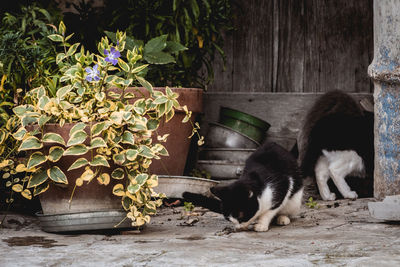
338 233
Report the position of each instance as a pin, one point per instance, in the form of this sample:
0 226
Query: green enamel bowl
244 123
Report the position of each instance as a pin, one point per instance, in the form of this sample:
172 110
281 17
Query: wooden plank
284 111
253 47
300 46
223 73
290 55
344 34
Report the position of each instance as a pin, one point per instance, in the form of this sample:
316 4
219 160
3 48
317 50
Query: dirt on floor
334 233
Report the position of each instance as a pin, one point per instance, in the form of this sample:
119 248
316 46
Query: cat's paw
261 227
283 220
351 195
331 196
241 227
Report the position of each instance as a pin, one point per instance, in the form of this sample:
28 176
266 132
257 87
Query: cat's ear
219 191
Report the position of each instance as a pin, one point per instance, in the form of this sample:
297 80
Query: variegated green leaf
160 149
140 179
119 159
133 188
128 138
30 118
79 163
4 134
55 37
99 160
43 120
97 142
123 65
131 154
126 203
37 179
41 188
77 127
140 68
29 143
118 174
43 101
100 96
57 175
20 134
145 84
55 153
116 117
77 138
99 127
76 150
152 124
36 159
63 91
53 138
146 152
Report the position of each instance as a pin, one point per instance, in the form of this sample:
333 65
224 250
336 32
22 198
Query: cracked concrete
338 233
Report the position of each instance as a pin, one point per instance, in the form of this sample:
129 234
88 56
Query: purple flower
93 73
112 55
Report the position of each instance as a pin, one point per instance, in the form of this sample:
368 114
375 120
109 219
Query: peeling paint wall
385 71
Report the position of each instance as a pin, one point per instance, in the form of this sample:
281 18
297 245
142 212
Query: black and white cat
337 141
271 185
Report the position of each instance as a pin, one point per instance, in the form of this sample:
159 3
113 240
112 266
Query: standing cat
270 185
337 141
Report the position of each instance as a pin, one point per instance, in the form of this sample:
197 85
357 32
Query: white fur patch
337 165
264 214
293 205
283 220
345 162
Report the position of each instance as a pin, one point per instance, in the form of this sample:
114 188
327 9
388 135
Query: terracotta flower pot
88 197
178 143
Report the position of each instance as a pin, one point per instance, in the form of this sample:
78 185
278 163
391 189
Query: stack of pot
230 142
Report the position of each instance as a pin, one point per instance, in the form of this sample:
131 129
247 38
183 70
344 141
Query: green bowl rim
239 115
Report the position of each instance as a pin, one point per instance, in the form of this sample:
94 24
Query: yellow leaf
130 216
17 188
79 182
139 221
104 179
153 181
87 175
26 194
20 168
131 196
118 190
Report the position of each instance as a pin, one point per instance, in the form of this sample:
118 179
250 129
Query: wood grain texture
299 46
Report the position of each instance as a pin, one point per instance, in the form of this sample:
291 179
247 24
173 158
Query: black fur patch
336 122
270 165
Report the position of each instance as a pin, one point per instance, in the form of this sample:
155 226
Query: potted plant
97 131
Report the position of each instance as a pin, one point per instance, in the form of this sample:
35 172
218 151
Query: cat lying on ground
271 185
337 141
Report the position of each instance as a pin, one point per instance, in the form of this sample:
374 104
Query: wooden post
385 72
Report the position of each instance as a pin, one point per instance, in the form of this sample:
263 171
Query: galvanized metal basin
238 155
220 136
174 186
84 221
221 169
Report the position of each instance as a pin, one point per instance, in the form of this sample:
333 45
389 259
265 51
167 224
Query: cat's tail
210 203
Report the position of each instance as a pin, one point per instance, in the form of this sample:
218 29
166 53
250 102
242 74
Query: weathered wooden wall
298 46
